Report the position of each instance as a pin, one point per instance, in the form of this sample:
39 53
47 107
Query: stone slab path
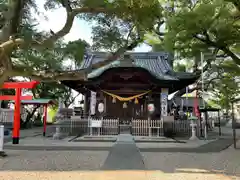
124 155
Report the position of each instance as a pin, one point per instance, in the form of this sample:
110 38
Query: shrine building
134 86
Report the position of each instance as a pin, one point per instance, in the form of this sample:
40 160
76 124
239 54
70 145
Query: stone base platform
155 139
96 139
137 139
146 145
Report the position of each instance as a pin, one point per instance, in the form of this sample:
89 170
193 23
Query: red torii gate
44 103
18 86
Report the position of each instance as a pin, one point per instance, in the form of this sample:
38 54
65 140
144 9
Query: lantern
114 100
124 105
151 108
101 107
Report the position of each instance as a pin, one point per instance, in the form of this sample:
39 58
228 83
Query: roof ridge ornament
165 56
126 60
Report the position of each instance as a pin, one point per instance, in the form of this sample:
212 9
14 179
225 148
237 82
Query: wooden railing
77 125
144 127
6 117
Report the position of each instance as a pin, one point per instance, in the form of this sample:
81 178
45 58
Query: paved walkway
124 155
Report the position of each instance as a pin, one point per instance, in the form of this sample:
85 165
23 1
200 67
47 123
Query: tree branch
71 13
67 104
66 4
116 54
17 8
157 30
226 50
197 72
10 44
236 3
49 76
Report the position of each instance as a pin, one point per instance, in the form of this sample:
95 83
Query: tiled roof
37 101
155 63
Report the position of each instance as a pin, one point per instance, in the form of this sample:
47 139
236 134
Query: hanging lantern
100 107
114 100
151 108
124 105
136 101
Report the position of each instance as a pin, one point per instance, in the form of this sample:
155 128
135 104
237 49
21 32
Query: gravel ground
223 164
52 161
85 165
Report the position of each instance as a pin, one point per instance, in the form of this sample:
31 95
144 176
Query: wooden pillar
233 128
86 104
104 101
164 102
149 115
219 122
16 123
167 127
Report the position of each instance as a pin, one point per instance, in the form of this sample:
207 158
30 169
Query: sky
80 30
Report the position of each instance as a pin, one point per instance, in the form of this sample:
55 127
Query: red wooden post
45 120
18 86
16 122
196 106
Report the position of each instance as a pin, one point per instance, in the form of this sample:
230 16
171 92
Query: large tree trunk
24 124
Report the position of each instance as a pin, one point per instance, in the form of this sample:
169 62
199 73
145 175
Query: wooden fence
183 128
143 127
6 117
77 125
107 126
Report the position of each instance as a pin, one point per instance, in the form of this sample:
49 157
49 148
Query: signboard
164 102
93 102
96 123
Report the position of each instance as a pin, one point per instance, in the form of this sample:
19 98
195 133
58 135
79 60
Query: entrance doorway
125 124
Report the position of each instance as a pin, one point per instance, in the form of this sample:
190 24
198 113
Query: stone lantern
193 125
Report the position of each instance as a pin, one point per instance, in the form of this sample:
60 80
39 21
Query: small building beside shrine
133 87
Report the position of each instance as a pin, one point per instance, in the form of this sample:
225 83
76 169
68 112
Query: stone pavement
36 131
124 155
135 165
46 143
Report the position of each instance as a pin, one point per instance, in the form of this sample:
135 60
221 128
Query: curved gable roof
156 63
